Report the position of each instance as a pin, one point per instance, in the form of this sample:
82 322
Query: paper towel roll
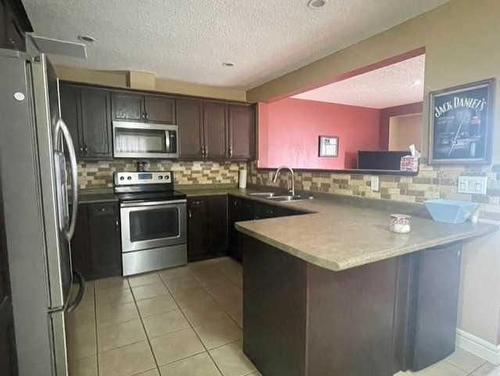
243 179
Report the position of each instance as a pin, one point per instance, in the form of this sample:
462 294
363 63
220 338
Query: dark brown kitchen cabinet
14 24
127 107
242 209
71 114
86 111
207 227
159 109
214 130
96 249
241 132
96 123
138 107
189 120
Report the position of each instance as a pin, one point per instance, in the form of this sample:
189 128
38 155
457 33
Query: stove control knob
160 177
122 178
129 177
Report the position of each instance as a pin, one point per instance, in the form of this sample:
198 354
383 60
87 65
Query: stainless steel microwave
145 140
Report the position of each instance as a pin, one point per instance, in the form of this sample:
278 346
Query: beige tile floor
184 321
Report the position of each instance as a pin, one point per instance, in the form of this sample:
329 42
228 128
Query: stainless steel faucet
292 174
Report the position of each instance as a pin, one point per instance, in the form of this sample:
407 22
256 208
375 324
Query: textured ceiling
392 85
188 40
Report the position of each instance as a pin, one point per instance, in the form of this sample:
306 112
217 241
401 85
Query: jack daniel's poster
461 124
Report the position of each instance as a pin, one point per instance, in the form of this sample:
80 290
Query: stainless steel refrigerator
39 177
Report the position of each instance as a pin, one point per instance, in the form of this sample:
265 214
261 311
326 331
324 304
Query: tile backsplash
100 174
432 182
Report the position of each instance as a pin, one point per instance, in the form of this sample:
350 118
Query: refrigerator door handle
81 291
61 128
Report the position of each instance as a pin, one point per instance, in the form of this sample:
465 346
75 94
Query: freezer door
59 342
53 181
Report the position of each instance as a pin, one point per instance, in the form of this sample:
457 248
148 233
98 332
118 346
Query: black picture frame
322 149
461 124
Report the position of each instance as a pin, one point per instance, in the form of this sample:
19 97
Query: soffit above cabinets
392 85
190 40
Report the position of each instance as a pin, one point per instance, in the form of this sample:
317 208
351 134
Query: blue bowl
450 211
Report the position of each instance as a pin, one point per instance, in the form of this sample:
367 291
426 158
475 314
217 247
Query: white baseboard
478 347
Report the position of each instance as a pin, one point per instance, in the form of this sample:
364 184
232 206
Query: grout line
192 328
95 326
144 328
476 369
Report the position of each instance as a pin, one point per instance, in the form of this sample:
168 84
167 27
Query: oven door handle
134 204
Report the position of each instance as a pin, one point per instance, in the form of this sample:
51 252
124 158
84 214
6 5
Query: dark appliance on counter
35 145
381 160
153 221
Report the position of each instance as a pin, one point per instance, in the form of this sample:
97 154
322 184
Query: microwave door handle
61 128
167 141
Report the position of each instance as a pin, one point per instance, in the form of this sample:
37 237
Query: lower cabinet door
80 254
198 239
105 249
207 227
95 248
217 225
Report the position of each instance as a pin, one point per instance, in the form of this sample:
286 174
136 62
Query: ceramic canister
400 223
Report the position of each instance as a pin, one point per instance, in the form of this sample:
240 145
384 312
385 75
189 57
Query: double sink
271 196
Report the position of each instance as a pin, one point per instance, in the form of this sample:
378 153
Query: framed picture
461 123
328 146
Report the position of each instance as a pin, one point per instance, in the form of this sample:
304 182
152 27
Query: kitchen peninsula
336 290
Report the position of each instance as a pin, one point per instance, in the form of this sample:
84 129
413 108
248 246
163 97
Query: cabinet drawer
98 210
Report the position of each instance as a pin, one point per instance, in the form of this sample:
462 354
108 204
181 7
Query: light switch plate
473 184
375 183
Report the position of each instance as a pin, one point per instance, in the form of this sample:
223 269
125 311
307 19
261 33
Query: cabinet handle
117 224
230 152
189 213
81 149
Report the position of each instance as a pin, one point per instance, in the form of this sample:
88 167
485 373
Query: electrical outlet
375 183
472 184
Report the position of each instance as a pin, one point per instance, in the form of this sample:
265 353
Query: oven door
144 140
152 224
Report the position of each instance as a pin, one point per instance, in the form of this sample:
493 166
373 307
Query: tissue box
409 163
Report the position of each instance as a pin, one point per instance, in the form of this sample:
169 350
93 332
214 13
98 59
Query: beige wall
461 41
404 131
480 290
121 79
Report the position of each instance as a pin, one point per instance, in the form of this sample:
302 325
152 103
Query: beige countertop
341 233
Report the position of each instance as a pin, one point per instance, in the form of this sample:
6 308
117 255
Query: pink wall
289 130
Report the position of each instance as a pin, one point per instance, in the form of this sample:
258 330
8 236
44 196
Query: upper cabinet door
14 24
189 120
241 120
159 109
3 26
71 114
96 123
214 128
128 107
